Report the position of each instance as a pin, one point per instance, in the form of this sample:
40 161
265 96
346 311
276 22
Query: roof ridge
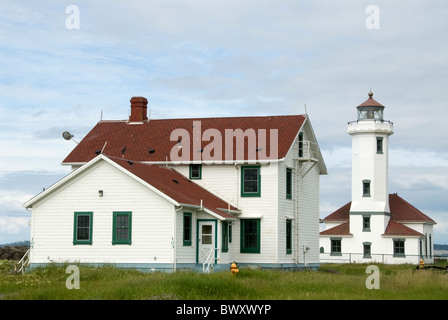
214 117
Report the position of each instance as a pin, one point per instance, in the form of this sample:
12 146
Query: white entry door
206 241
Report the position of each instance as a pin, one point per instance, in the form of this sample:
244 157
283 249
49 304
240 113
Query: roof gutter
210 212
232 162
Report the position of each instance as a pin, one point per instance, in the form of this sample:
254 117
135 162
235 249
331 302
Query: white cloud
13 225
12 201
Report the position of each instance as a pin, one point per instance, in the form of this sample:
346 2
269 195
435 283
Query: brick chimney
139 106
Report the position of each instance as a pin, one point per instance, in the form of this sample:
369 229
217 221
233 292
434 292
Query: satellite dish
67 135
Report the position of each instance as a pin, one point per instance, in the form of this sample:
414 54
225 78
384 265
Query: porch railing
207 266
22 263
308 150
354 257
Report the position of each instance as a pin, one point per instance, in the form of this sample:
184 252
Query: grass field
329 282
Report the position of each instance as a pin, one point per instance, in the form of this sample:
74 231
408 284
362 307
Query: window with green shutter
250 236
195 171
225 236
288 236
336 246
122 227
82 231
187 229
399 248
288 183
250 181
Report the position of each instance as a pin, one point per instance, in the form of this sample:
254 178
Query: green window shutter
187 229
225 236
250 236
336 246
300 144
366 223
367 249
399 248
288 183
250 181
82 228
366 188
288 236
195 171
379 145
122 227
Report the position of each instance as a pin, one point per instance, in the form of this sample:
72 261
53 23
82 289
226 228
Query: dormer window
195 171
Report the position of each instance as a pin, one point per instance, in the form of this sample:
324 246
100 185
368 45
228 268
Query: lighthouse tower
370 159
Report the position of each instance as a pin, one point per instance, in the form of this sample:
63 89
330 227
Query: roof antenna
306 112
103 147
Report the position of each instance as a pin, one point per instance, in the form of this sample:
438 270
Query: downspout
175 237
31 224
237 185
296 208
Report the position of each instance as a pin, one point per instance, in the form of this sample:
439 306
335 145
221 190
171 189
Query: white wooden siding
225 182
53 220
273 208
305 196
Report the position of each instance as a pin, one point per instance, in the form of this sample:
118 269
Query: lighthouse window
366 223
379 145
366 188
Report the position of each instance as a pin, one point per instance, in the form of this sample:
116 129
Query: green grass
329 282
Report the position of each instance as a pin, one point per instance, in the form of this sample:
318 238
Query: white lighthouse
370 166
375 226
370 158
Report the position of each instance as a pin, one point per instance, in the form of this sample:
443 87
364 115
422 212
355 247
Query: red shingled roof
401 211
395 228
176 186
370 102
342 230
340 214
150 140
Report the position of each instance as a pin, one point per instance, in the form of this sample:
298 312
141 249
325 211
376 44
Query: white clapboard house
375 226
185 193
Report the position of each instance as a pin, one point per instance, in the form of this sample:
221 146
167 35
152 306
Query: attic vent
123 150
97 151
130 162
175 181
152 150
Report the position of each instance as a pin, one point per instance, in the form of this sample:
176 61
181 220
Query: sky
65 65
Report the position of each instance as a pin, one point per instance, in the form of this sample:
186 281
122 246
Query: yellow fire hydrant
421 263
234 268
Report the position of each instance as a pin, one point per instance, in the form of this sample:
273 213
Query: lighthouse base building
375 226
402 236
